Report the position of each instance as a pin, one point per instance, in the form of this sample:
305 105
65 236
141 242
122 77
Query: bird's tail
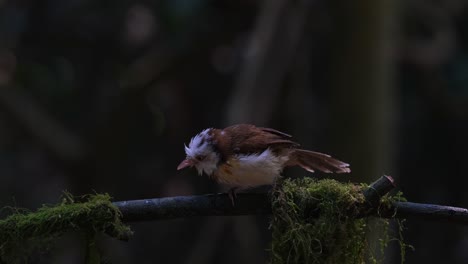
311 160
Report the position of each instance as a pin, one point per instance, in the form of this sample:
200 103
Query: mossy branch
308 201
259 204
23 233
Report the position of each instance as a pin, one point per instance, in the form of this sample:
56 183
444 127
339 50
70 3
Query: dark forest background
100 96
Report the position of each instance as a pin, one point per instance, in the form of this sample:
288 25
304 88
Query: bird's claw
232 195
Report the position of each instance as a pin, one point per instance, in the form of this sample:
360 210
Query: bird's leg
233 195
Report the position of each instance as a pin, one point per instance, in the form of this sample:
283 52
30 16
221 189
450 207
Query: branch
259 204
378 189
434 212
200 205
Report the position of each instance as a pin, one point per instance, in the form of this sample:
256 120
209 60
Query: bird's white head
201 154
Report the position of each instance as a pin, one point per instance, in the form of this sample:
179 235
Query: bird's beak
188 162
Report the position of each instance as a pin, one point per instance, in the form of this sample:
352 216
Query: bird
244 156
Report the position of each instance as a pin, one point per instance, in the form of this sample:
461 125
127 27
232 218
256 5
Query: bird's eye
200 157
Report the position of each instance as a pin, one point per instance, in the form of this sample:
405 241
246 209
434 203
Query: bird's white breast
252 170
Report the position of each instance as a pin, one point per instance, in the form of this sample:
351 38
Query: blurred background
100 96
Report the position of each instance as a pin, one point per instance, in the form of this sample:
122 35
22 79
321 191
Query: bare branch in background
267 59
63 143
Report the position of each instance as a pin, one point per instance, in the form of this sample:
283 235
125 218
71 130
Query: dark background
101 95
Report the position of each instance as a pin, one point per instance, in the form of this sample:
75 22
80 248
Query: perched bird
244 155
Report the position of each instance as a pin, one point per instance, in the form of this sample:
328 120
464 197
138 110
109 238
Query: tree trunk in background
363 94
268 56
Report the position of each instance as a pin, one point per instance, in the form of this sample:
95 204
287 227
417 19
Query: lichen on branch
320 222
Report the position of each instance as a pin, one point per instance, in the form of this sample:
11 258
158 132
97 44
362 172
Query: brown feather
247 139
311 160
276 132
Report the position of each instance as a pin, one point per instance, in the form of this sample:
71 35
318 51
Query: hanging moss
22 234
317 222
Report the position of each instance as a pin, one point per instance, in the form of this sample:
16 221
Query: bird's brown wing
247 139
276 132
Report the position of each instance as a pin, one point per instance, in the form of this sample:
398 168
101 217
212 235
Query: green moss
318 222
22 234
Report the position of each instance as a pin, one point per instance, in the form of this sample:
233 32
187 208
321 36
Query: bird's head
201 153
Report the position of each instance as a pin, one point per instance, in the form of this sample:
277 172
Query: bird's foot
233 195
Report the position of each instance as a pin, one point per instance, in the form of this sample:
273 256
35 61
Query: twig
377 189
258 204
429 212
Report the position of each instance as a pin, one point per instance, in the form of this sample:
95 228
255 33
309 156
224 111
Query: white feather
201 145
195 147
254 169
